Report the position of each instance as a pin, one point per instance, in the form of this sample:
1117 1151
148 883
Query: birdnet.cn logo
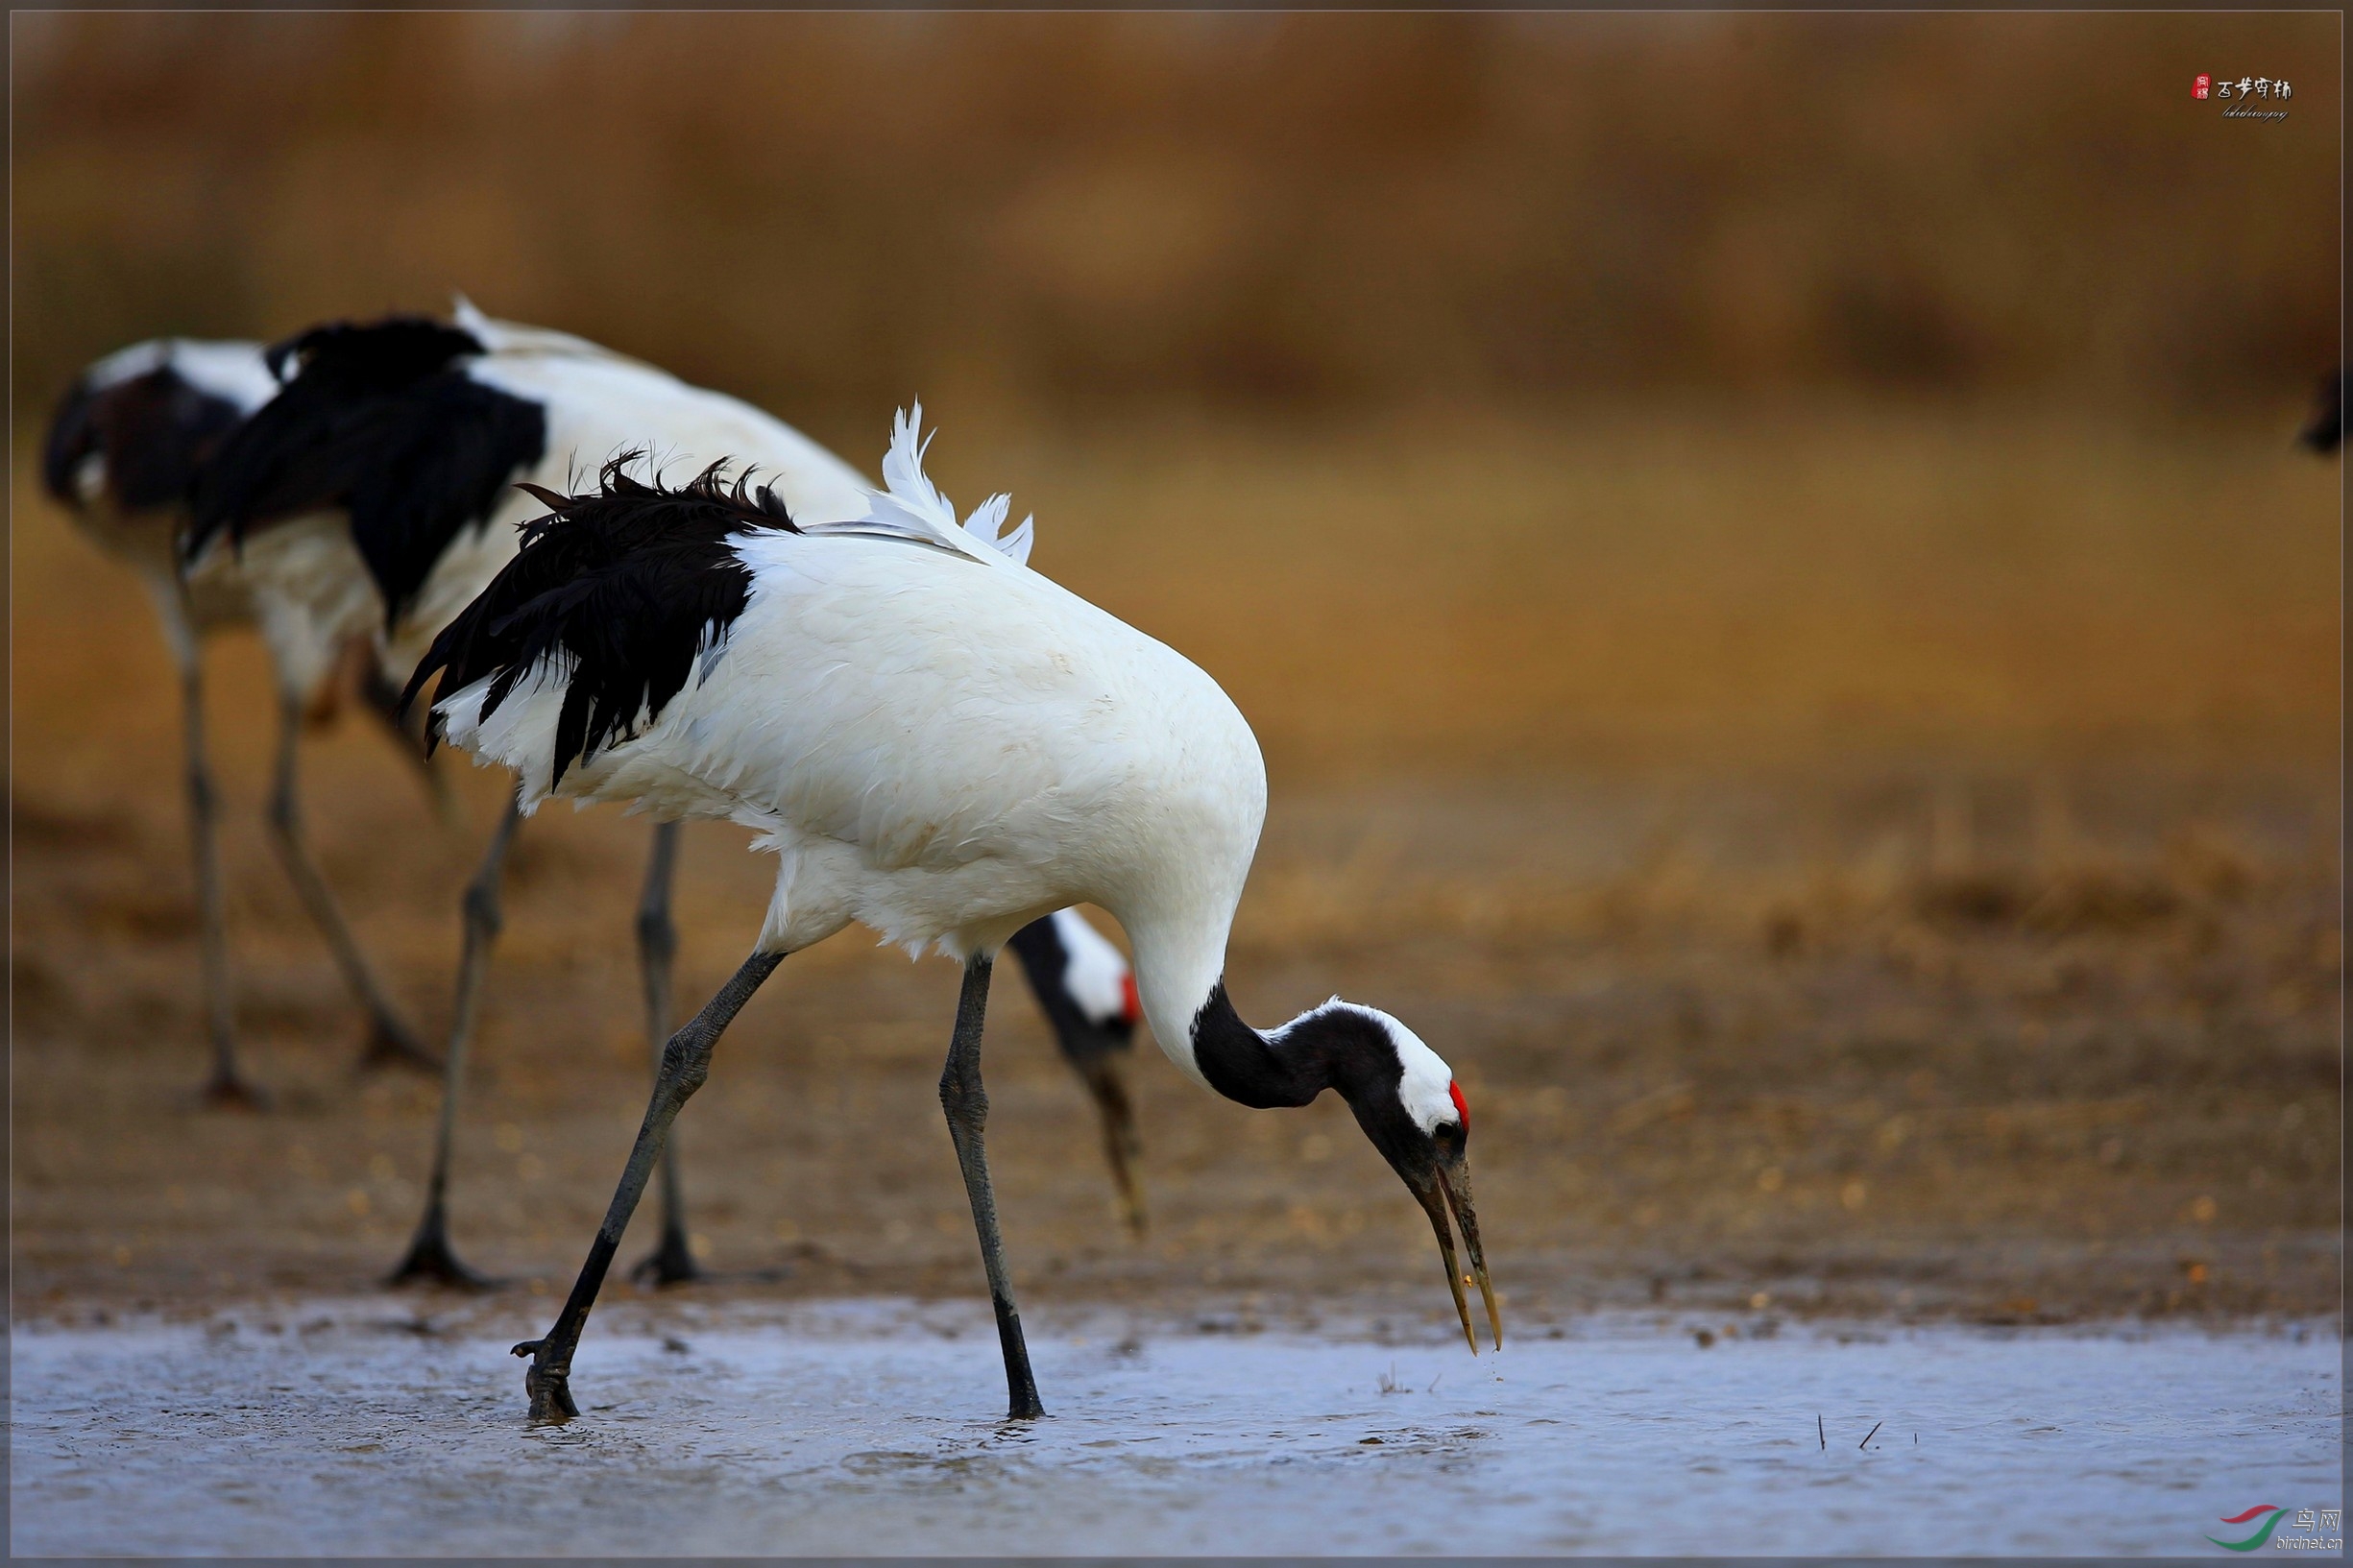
2248 97
2309 1530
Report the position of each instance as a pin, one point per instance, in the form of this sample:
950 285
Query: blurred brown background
1110 216
1765 551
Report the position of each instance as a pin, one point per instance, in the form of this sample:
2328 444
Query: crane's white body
311 591
942 745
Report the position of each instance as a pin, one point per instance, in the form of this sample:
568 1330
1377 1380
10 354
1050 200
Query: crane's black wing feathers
616 592
380 420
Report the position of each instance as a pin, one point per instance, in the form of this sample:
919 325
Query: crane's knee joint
481 907
965 1101
657 935
686 1063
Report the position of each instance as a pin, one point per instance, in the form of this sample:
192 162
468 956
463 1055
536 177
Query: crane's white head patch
1095 974
1427 1084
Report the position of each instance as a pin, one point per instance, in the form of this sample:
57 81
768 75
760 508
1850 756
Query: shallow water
872 1428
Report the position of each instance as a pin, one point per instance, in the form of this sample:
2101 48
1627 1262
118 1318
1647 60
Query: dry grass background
1791 640
1084 217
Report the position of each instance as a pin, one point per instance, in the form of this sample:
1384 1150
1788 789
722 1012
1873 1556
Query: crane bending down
936 743
125 446
372 494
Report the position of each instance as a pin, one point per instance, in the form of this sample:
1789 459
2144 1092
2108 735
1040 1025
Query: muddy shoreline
1986 1033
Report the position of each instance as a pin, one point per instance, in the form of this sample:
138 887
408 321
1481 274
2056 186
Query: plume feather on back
909 506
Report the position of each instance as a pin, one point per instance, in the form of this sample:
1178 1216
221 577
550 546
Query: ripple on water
822 1439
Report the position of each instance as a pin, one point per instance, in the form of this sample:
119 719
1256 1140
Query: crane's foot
672 1263
228 1092
392 1044
432 1258
1133 1213
548 1384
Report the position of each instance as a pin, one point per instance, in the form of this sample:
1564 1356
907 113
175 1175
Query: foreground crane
936 743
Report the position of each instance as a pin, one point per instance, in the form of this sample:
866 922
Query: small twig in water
1873 1432
1434 1383
1824 1436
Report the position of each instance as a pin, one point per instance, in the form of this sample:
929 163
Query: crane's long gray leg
686 1063
381 696
429 1254
672 1260
967 1102
1107 1081
228 1086
389 1038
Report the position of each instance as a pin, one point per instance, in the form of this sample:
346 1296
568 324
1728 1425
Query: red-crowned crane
376 491
936 743
124 449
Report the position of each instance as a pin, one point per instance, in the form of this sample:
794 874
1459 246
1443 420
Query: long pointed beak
1121 1145
1455 1179
1451 1191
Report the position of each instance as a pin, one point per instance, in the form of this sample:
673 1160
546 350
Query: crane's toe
549 1386
392 1042
231 1093
672 1263
432 1258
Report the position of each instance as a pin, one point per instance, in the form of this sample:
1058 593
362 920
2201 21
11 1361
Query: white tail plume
911 505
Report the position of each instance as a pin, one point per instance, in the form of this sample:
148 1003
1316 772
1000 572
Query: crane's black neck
1336 1046
1244 1064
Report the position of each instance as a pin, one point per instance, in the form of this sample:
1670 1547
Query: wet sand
1982 1029
860 1427
1718 1040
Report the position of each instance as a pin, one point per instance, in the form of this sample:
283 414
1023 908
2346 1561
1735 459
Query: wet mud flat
1876 1027
359 1428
